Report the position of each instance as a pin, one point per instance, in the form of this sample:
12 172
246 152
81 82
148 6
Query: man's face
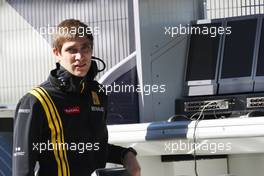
75 56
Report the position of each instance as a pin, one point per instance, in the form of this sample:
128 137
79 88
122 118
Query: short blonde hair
70 29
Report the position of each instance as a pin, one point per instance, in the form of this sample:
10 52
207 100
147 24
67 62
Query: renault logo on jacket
95 97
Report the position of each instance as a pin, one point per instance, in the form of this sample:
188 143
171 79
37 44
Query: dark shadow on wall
122 101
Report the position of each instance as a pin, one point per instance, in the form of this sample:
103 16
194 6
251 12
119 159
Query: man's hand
131 164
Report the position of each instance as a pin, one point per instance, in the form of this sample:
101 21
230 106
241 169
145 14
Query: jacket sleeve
27 133
115 154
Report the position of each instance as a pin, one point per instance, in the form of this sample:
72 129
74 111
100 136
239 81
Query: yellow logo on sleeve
95 97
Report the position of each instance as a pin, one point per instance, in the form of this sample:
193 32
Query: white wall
25 56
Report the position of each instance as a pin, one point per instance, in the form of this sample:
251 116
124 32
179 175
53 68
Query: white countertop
218 136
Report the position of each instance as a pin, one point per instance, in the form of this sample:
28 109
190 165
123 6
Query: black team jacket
62 125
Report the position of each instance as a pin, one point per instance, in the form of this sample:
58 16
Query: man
61 124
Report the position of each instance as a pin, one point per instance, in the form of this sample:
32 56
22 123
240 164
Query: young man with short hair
61 124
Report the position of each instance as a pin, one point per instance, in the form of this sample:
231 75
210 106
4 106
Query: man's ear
56 53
